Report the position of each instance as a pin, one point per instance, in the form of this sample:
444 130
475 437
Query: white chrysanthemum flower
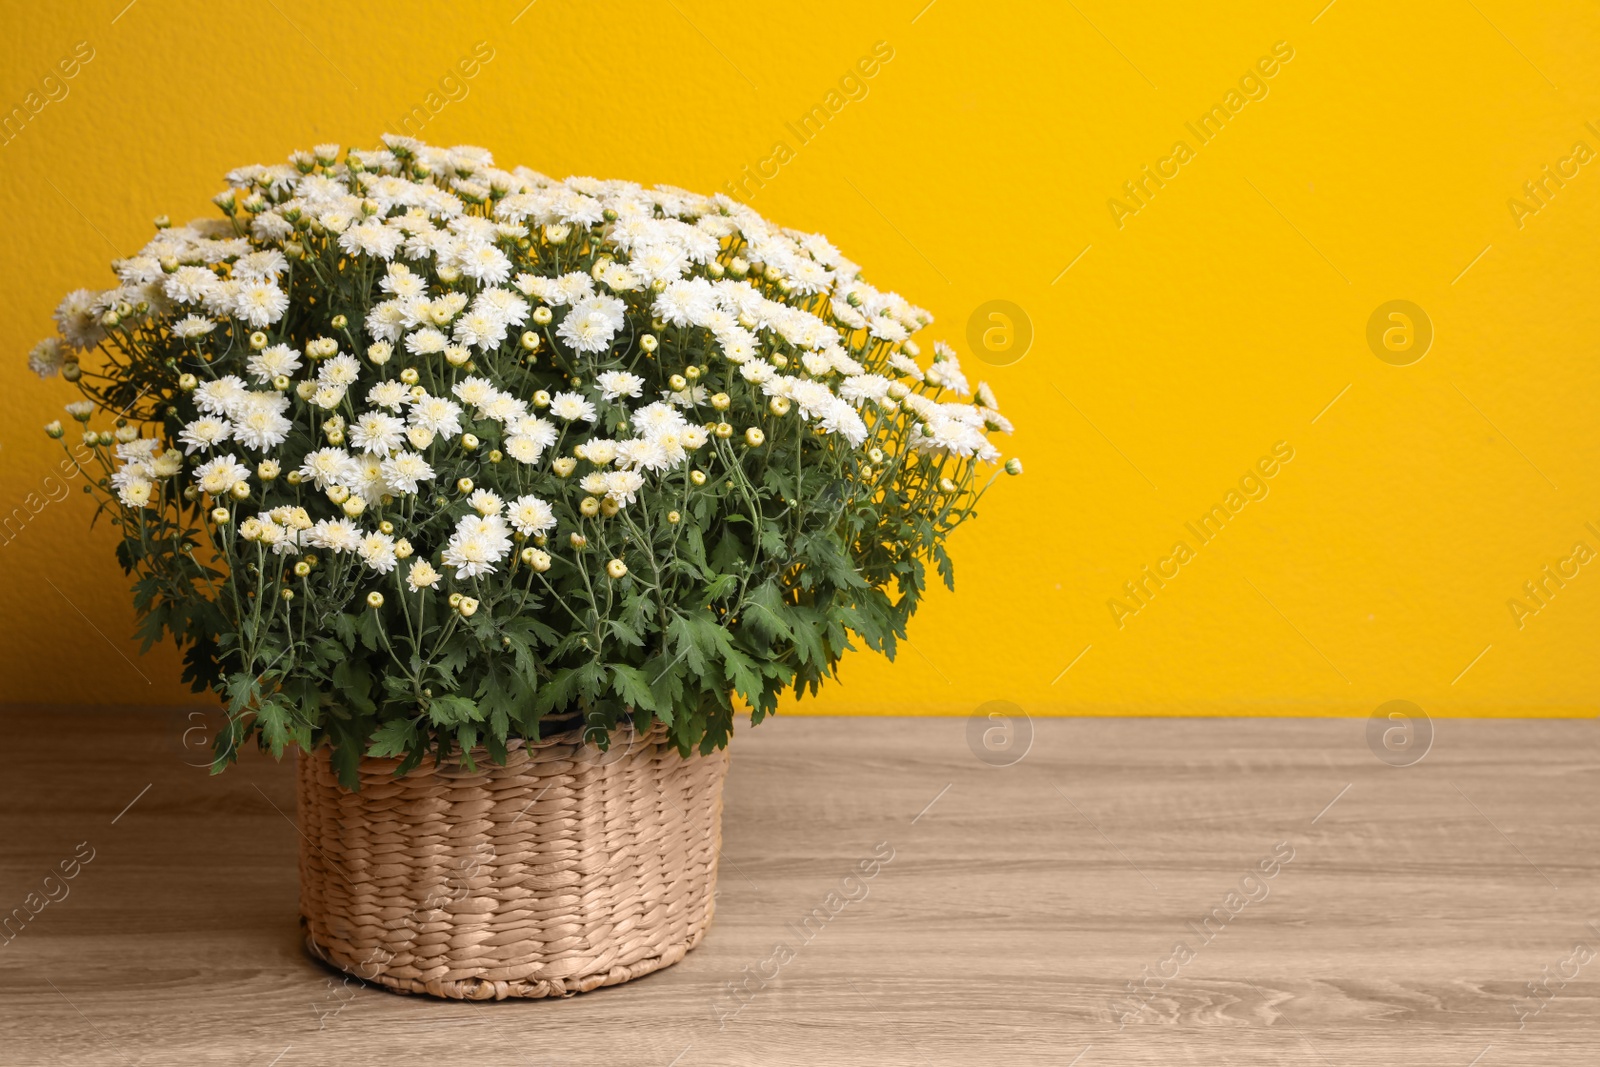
220 396
422 576
273 361
335 535
427 341
593 483
372 238
342 371
658 263
475 392
655 419
505 409
389 394
404 471
623 486
860 388
438 415
328 397
189 285
600 451
907 366
400 281
505 305
137 492
377 551
591 325
204 434
264 265
220 475
530 516
78 319
47 358
485 502
685 303
327 467
619 383
477 544
192 326
573 406
485 264
259 422
378 433
260 303
387 320
483 330
642 452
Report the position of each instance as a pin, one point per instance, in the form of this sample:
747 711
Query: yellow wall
1221 318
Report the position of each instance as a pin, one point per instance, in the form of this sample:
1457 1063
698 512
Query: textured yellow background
1221 318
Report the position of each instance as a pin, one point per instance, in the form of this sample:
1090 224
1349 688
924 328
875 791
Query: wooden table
1100 901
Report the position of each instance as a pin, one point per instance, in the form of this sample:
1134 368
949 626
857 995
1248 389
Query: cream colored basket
565 870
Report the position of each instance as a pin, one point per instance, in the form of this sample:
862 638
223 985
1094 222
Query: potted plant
498 498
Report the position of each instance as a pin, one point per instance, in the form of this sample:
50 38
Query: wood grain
1019 904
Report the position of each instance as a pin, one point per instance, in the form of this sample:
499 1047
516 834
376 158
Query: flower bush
412 453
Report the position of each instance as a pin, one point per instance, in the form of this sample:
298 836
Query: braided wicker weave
565 870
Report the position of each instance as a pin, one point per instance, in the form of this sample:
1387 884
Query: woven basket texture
565 870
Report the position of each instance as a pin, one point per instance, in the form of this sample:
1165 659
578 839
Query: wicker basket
565 870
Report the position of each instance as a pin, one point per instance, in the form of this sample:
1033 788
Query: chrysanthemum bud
469 441
54 429
616 568
410 376
287 594
541 399
721 401
947 485
564 466
691 372
609 507
779 405
464 485
589 506
403 549
379 352
697 477
542 316
754 437
162 222
455 600
305 390
240 491
530 341
374 599
648 342
578 540
673 517
1013 465
467 607
495 455
220 516
339 322
875 454
354 507
677 383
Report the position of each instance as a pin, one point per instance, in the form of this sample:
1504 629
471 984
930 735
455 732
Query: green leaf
633 686
393 738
